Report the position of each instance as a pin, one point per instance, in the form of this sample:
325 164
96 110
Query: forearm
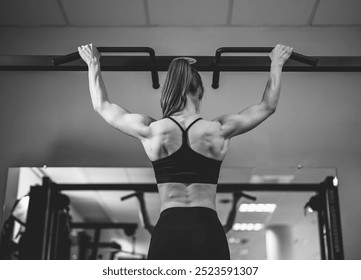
97 88
273 88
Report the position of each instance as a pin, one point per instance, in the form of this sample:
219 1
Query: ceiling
165 13
106 206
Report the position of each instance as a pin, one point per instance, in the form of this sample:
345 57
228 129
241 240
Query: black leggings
188 233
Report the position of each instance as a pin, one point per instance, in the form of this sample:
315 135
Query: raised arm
236 124
135 125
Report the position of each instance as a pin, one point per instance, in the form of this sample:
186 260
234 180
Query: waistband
188 218
188 210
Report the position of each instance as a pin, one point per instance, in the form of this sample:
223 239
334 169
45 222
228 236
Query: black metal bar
58 60
88 225
222 187
96 241
33 239
55 235
322 223
204 64
295 56
75 56
329 244
50 220
248 196
326 221
321 229
216 73
129 196
334 219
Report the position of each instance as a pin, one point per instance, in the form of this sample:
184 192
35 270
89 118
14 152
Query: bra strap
184 132
192 124
177 123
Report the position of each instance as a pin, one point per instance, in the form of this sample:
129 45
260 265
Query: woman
186 152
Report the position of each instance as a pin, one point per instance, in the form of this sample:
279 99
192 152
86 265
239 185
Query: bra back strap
176 123
192 124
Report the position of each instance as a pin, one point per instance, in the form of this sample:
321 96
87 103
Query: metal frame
42 226
333 219
153 63
329 219
203 64
222 187
41 216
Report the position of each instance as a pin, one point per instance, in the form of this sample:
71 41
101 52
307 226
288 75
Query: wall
47 118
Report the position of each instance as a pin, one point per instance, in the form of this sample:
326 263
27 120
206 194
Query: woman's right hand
89 54
280 54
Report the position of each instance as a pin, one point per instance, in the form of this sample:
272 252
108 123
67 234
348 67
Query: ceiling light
260 207
244 252
247 227
234 240
257 227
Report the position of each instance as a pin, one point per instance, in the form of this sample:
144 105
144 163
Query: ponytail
182 79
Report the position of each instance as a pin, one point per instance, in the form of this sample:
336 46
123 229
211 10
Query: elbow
272 109
98 107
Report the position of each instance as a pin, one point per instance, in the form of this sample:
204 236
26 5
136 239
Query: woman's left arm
135 125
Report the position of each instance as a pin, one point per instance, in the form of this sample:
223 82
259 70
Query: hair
182 79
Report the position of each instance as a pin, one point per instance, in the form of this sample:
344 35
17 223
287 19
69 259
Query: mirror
276 225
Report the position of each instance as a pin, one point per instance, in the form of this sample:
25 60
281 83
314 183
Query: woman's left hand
89 54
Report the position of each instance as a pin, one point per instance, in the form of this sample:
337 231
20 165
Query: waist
187 195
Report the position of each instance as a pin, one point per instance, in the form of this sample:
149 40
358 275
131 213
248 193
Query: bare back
205 138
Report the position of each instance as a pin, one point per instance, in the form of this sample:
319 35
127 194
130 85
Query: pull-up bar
295 56
75 56
215 83
153 63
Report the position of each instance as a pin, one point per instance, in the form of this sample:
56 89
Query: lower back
187 195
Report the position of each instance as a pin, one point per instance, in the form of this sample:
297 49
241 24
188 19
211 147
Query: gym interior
53 142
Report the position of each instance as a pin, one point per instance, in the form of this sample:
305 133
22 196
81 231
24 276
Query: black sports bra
185 165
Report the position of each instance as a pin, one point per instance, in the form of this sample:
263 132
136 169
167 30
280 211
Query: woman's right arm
236 124
136 125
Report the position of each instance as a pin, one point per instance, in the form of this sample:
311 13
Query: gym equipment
153 63
329 225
